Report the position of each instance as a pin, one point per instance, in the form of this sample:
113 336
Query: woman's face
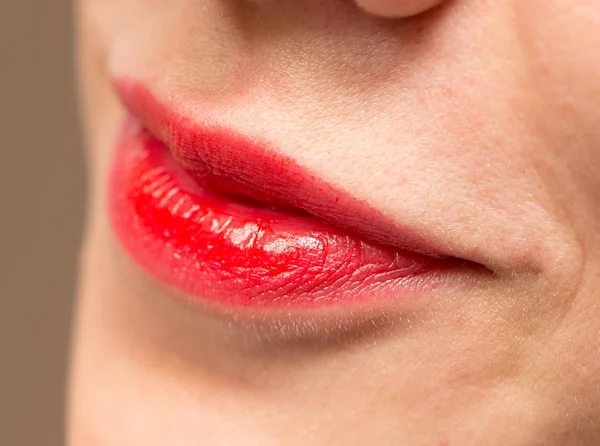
441 283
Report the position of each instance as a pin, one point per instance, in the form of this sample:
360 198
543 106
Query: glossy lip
232 221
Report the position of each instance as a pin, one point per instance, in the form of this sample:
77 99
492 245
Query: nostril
397 8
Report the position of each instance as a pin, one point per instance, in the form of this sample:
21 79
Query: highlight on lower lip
238 252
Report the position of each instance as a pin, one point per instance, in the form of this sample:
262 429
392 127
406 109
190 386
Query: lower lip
239 253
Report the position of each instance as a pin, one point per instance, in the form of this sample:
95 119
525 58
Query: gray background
41 196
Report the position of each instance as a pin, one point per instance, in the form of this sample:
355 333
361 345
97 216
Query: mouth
229 220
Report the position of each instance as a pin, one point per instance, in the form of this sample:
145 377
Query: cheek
561 44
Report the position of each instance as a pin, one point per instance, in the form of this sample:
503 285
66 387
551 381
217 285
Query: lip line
182 135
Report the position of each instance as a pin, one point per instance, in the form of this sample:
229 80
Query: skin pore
474 121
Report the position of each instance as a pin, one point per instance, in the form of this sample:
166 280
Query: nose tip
397 8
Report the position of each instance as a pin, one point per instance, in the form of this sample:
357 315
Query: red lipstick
232 221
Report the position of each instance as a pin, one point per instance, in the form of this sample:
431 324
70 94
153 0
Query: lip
230 220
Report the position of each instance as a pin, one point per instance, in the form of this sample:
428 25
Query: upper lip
241 166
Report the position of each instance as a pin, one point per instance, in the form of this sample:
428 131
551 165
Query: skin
486 138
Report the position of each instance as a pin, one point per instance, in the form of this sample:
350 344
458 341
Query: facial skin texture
475 121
